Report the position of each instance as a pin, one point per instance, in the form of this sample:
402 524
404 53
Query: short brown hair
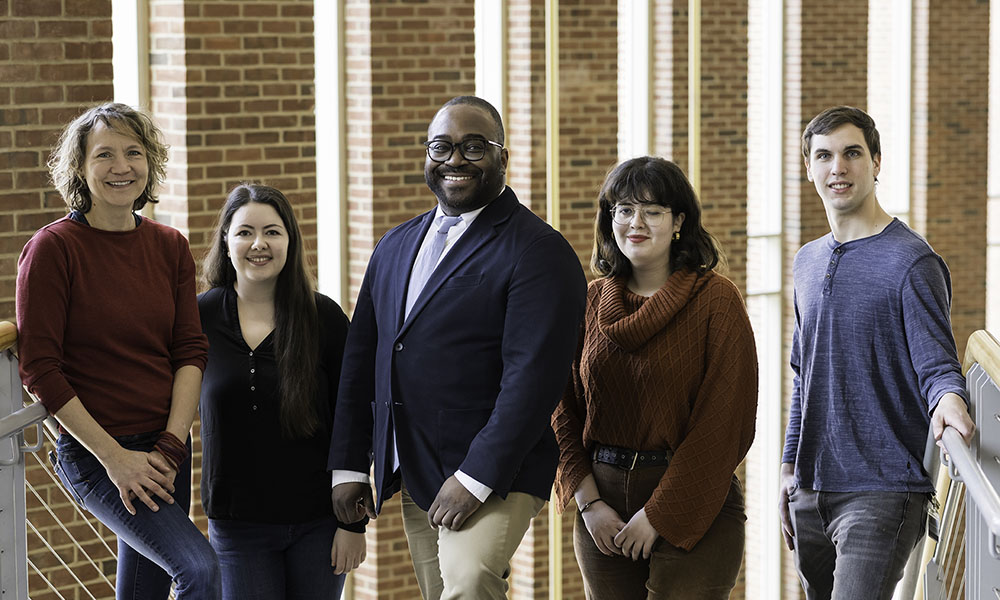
834 117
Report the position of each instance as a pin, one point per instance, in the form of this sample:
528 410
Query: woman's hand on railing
136 474
951 411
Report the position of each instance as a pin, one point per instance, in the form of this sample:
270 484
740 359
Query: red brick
89 8
36 8
18 116
18 73
36 138
62 29
63 73
31 51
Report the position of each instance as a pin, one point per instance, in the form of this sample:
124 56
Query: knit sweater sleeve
720 430
567 422
189 346
43 285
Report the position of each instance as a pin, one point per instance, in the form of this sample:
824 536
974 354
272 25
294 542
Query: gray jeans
854 545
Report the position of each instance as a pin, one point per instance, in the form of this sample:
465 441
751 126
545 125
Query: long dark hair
652 180
296 322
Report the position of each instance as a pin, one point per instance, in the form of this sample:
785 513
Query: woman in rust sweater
661 404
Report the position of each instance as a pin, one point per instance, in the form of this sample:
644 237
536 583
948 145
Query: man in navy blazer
449 386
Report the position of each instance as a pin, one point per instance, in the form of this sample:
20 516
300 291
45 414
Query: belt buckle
635 457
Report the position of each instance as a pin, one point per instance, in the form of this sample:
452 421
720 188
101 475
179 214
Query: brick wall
588 107
950 111
526 134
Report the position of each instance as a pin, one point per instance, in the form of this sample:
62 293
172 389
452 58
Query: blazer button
398 347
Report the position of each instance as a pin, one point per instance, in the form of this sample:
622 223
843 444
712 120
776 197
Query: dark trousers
854 545
707 572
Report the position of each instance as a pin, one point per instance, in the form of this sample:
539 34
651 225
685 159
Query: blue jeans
266 561
854 545
154 548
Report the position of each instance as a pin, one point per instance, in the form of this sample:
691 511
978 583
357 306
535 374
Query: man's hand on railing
136 474
952 412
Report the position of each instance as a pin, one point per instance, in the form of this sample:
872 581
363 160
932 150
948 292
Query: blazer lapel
483 229
409 246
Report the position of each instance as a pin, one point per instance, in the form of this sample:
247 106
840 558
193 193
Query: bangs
636 185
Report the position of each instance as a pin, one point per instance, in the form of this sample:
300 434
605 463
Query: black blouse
249 471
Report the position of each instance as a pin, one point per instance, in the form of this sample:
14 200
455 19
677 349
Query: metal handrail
22 419
962 466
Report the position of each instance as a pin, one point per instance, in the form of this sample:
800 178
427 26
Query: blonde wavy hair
70 153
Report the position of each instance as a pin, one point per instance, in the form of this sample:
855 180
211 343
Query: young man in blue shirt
875 365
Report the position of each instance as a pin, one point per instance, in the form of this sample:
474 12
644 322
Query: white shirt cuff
480 491
340 476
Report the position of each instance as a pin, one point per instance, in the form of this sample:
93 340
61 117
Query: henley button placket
253 386
831 270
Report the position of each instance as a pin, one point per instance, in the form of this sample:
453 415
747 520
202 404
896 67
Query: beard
484 187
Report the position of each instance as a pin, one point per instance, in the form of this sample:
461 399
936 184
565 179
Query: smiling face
646 247
460 185
257 243
843 170
115 170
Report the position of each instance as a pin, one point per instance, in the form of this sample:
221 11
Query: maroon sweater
677 370
108 316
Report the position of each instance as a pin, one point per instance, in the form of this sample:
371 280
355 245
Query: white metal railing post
13 532
979 469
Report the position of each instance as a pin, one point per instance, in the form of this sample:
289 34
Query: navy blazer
470 379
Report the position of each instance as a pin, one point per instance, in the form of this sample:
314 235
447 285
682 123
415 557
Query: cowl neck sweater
675 371
630 320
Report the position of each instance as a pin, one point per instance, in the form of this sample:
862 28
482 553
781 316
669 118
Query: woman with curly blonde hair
111 343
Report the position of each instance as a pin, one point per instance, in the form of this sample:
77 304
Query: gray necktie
426 263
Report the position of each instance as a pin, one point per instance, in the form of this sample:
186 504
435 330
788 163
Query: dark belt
630 459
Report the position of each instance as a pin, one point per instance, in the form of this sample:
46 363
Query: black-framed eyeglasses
471 150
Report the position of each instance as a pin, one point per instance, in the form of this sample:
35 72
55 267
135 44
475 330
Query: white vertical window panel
634 85
130 52
765 200
491 65
331 226
889 98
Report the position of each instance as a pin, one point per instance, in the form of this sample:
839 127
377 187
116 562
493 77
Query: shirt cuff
340 476
480 491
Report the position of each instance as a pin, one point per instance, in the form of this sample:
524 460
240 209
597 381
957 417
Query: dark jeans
854 545
707 572
265 561
153 547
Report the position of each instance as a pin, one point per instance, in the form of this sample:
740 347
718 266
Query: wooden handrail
984 349
8 335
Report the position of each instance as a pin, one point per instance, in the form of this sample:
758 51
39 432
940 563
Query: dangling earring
677 236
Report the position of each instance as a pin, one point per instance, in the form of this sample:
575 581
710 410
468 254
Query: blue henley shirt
872 352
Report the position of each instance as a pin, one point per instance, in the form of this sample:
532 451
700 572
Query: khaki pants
473 562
